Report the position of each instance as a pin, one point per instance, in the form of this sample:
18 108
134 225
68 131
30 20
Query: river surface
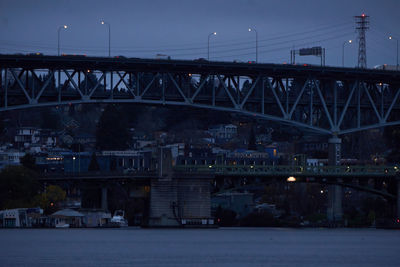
199 247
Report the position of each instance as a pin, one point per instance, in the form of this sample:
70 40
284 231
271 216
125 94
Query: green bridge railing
295 171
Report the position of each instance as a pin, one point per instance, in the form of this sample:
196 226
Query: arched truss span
325 100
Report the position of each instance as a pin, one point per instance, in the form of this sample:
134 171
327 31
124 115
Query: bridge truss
327 100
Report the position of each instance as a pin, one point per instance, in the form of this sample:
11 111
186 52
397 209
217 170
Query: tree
50 120
50 198
29 162
93 165
252 140
112 133
18 187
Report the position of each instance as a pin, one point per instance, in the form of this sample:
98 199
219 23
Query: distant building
26 136
263 138
221 131
18 218
10 157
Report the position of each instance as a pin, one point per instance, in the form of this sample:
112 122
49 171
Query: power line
221 44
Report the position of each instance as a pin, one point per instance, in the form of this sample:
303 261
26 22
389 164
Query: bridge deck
212 171
204 66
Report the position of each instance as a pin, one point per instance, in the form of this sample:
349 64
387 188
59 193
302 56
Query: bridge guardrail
281 170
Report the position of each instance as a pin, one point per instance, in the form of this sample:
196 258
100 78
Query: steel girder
324 100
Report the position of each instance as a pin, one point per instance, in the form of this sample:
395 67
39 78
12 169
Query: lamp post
58 33
208 47
254 30
109 36
397 57
347 42
73 164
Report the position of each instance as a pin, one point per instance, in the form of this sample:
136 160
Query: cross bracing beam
322 99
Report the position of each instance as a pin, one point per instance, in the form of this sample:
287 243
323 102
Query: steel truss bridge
327 100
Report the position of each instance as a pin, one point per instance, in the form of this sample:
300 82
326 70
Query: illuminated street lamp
291 179
254 30
208 47
347 42
397 60
73 164
58 32
109 36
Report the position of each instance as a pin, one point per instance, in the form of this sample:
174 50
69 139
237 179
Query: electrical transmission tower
362 24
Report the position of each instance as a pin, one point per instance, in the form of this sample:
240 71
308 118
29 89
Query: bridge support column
398 199
104 200
180 202
334 210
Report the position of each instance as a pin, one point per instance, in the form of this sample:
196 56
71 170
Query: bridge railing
96 175
301 171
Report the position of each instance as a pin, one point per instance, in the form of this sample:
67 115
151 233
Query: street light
347 42
109 36
397 41
208 47
250 29
291 179
58 31
73 164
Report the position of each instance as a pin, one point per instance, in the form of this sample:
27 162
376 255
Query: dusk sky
180 29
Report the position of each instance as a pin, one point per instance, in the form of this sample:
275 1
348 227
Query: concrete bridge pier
398 199
178 200
104 200
334 210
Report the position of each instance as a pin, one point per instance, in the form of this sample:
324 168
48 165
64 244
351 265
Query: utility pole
362 24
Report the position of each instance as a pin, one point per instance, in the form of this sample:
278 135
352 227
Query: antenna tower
362 24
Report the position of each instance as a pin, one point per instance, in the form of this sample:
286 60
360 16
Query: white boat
62 225
119 219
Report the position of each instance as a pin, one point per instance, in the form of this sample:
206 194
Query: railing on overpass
97 175
295 171
366 171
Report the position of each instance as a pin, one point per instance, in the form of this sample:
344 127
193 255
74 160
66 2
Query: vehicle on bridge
386 67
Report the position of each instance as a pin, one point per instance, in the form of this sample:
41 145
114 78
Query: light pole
397 60
58 32
347 42
250 29
208 47
109 36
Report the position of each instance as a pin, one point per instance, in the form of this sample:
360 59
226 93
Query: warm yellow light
350 41
291 179
102 22
65 26
215 33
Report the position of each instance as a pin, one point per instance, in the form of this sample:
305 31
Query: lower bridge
182 194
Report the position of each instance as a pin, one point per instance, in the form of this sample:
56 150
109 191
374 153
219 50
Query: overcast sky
180 29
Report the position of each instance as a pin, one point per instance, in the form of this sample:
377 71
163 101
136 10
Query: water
199 247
